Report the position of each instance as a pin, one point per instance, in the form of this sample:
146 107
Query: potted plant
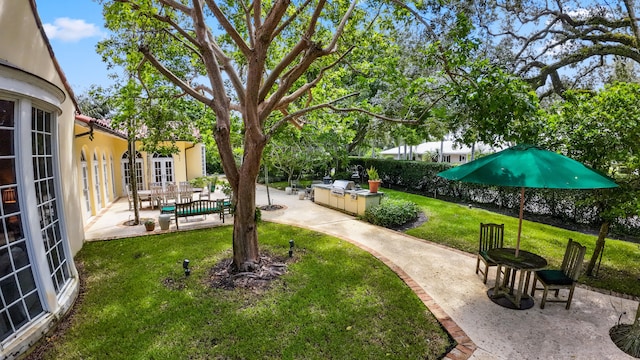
374 179
150 224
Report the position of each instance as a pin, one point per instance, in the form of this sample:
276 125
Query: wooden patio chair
491 236
157 194
564 278
185 191
205 194
171 193
130 197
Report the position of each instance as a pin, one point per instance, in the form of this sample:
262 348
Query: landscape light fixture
290 248
185 266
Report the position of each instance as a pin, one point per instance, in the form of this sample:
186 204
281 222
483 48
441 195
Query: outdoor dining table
521 267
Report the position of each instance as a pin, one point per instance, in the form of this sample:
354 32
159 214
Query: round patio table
504 292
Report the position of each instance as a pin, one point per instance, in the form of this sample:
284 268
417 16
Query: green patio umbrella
528 166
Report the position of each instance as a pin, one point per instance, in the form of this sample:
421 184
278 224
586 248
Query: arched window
163 169
126 173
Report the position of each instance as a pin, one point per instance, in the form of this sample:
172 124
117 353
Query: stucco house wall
41 206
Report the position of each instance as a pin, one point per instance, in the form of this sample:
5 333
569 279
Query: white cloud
71 30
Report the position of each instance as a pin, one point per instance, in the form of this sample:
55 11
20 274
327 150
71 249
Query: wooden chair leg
477 265
486 273
544 297
533 288
570 298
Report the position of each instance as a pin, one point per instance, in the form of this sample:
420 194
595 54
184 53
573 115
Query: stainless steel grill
339 186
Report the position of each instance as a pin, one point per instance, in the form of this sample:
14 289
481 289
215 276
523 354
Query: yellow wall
112 147
187 164
194 161
18 27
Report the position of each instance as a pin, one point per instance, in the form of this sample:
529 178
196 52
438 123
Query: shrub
392 212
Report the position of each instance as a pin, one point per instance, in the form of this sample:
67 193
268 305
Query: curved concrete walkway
445 279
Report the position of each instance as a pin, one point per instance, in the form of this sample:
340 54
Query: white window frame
97 191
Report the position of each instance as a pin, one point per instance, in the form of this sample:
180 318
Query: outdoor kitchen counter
351 201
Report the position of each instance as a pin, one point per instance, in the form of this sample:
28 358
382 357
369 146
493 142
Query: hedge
563 206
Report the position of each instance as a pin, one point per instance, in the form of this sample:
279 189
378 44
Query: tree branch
301 112
228 27
286 100
332 45
210 60
176 5
171 76
290 19
250 28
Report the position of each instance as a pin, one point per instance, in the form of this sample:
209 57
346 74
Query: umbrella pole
520 220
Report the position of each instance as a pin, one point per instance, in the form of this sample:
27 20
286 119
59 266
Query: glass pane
27 283
40 144
47 122
6 142
18 315
39 120
43 192
3 234
55 260
49 166
59 278
5 262
6 113
56 285
19 255
7 171
47 144
9 289
14 228
10 200
65 270
35 167
41 215
5 326
33 305
42 169
56 229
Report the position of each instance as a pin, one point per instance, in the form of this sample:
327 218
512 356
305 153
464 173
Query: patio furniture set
177 201
527 166
513 273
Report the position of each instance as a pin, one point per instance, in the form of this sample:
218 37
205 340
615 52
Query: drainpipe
186 163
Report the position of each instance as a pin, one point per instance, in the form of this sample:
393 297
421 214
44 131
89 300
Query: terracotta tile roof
100 124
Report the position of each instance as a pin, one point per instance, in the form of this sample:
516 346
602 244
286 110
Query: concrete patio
444 279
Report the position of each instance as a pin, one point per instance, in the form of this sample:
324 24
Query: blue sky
74 27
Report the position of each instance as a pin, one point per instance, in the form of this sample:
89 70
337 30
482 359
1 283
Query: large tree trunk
604 231
245 232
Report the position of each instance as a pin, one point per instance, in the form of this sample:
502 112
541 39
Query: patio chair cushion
484 255
201 211
168 209
554 277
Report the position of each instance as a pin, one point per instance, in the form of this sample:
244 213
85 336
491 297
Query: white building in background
430 151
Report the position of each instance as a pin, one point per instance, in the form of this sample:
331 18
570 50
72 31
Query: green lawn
336 301
458 226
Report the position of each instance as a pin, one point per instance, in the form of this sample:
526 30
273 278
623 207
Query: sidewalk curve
445 280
